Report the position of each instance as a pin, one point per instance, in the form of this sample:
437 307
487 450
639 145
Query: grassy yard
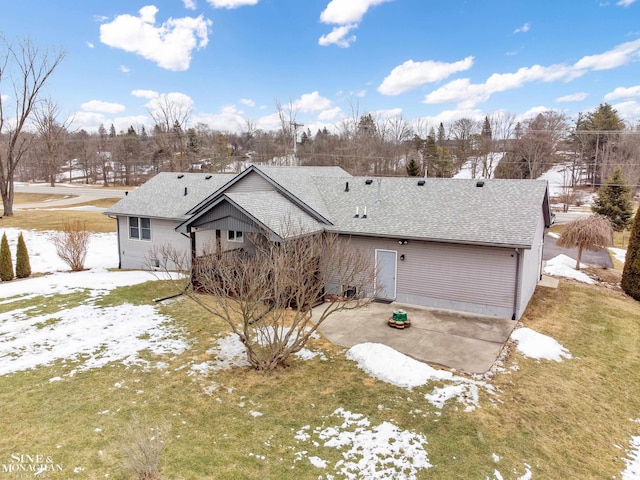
563 420
570 419
54 218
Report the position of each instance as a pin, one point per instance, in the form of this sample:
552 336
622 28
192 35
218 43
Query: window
140 228
234 236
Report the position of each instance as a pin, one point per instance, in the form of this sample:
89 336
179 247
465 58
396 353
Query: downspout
516 293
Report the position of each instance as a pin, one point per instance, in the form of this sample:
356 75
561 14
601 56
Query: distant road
566 217
79 194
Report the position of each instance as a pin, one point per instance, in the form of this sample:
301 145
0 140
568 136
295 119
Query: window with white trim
140 228
235 236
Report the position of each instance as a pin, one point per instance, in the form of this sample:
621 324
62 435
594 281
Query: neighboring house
468 245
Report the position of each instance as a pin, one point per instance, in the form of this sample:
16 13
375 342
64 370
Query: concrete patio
468 343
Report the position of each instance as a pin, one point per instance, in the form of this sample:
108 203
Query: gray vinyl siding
134 253
474 279
531 268
225 217
253 182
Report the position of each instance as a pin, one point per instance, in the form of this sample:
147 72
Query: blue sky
230 61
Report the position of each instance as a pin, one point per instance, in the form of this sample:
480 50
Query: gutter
516 293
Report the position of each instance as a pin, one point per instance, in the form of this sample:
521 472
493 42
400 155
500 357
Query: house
468 245
147 216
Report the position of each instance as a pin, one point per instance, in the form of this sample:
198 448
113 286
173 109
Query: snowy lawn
81 352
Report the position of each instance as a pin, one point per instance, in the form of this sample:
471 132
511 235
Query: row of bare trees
496 146
37 143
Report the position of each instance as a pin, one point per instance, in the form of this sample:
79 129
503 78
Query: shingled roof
482 212
486 212
169 195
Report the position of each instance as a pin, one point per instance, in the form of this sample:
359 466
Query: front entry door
386 263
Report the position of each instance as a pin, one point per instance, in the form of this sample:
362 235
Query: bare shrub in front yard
142 445
72 243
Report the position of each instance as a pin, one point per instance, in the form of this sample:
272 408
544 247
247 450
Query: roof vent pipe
364 215
346 187
357 212
480 183
185 191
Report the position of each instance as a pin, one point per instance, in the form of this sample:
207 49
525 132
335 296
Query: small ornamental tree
266 298
614 201
593 233
630 282
23 265
413 168
6 265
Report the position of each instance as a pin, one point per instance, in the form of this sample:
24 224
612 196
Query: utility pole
295 140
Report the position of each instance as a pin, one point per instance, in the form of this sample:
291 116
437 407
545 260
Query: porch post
192 236
218 244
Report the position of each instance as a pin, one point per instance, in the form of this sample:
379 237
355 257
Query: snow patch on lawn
391 366
632 470
619 254
535 345
564 266
371 452
88 334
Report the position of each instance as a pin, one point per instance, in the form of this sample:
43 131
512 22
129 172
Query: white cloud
122 124
629 110
228 119
189 4
99 106
231 3
145 94
331 114
574 97
616 57
169 45
448 116
625 3
412 74
523 29
346 14
622 92
89 121
338 36
468 95
179 102
90 45
311 102
269 122
387 114
347 11
248 102
124 69
534 112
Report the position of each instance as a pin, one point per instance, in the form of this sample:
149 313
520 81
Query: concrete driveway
601 258
468 343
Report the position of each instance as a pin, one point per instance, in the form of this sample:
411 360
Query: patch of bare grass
20 197
55 219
